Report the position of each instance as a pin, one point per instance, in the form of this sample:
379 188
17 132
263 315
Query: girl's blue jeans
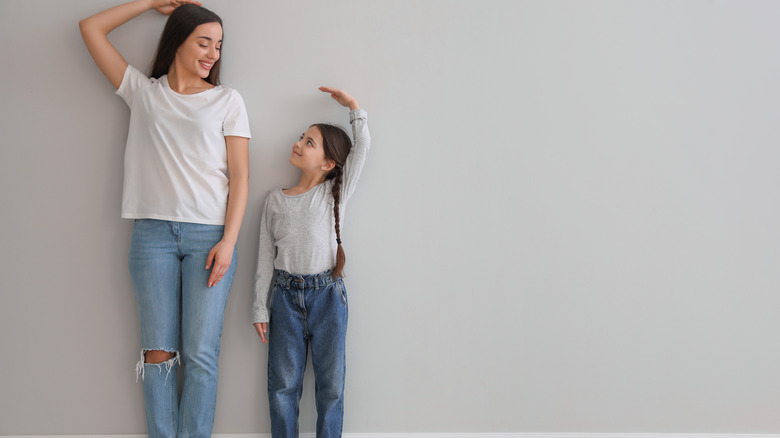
181 315
307 311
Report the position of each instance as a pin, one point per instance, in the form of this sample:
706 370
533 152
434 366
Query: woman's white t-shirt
176 157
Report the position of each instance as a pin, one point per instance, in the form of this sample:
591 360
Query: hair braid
337 145
336 191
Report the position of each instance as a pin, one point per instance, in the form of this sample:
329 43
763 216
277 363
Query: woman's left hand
220 256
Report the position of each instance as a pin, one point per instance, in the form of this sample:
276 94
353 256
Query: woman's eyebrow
209 38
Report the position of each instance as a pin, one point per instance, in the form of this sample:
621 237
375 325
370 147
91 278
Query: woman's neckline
164 80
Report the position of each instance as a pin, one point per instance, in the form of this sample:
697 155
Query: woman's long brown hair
181 23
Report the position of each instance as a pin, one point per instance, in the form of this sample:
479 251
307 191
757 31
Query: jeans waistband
315 281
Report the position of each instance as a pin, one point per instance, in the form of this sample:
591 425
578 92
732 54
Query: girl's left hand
221 256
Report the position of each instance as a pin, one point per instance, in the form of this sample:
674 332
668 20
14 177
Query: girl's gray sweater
297 233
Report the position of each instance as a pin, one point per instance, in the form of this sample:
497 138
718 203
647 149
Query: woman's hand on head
165 7
342 97
262 329
220 256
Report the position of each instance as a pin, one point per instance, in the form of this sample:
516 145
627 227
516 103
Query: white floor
447 435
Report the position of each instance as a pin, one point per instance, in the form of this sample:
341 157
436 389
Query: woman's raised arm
94 31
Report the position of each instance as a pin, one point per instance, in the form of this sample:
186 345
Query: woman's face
198 53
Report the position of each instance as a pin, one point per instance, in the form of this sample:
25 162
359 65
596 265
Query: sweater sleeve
265 266
358 118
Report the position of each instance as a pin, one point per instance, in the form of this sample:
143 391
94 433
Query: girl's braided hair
337 145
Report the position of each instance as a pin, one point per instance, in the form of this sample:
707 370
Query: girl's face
198 53
308 153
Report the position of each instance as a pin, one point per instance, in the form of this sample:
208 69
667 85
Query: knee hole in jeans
158 356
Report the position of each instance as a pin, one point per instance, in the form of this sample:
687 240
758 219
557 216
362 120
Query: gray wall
568 221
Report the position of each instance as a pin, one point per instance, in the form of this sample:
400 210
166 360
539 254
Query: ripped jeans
181 315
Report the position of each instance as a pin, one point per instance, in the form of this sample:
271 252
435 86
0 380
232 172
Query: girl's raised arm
360 136
94 31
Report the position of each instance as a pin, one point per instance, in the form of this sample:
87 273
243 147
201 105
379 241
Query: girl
185 185
300 248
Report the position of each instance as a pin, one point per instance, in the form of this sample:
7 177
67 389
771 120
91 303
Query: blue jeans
178 314
307 310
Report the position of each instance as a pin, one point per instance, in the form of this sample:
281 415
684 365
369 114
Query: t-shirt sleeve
236 121
132 81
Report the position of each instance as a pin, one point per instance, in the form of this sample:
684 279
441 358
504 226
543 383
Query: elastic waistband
287 280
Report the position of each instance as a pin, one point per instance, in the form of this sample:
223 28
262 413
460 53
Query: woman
185 185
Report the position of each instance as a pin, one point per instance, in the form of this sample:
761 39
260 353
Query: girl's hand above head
342 97
165 7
